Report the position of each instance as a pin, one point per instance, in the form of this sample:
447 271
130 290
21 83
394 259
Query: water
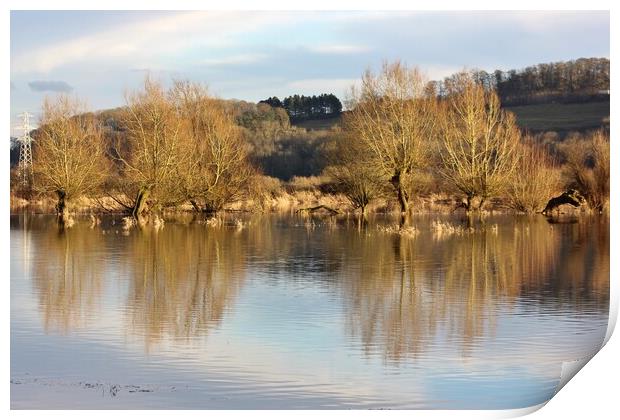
300 313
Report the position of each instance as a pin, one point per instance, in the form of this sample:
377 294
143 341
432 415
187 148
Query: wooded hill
581 80
288 137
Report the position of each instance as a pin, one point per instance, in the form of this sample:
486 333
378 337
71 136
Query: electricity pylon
25 152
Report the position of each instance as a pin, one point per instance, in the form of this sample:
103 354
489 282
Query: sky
98 56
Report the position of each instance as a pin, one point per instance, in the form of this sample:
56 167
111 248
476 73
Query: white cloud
149 38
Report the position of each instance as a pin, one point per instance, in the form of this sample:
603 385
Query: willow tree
154 149
588 167
536 181
480 140
69 158
392 117
217 170
353 174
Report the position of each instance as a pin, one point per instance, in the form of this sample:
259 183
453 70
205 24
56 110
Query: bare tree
537 179
479 142
392 117
69 158
155 149
217 170
588 169
353 174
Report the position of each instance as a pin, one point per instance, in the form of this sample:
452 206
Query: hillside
562 117
318 124
535 118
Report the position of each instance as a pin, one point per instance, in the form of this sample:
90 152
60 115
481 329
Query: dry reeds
440 229
128 223
409 231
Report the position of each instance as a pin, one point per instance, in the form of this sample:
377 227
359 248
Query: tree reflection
182 280
68 277
400 295
409 290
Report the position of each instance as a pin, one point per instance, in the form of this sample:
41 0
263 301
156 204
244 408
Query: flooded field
287 312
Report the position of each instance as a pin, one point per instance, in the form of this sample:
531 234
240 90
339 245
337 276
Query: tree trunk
362 219
474 203
571 197
468 203
402 198
61 206
195 205
140 205
470 220
210 209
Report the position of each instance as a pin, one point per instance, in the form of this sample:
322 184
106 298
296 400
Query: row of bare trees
400 133
179 145
182 145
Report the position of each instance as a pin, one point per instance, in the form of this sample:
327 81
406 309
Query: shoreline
299 202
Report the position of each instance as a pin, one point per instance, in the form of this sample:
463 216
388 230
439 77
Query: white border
592 393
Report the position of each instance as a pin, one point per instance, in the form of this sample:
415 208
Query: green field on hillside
562 117
543 117
319 124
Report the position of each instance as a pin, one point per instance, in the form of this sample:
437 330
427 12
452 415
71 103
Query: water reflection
407 289
182 279
285 301
397 290
68 285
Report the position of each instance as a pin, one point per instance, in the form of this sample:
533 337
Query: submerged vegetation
401 145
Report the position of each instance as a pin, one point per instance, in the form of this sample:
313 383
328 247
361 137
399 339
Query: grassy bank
305 195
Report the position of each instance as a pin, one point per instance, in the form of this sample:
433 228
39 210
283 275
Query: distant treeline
581 80
302 107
